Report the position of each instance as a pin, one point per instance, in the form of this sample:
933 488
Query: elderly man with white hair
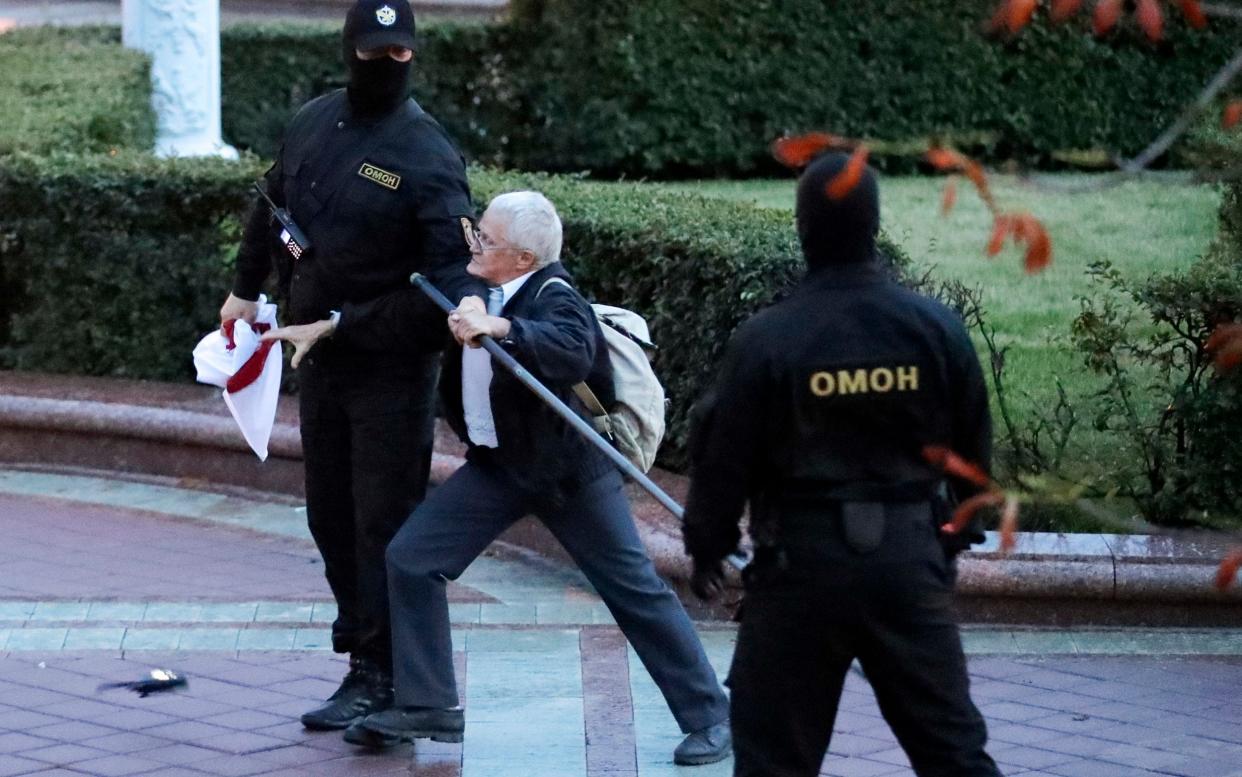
523 459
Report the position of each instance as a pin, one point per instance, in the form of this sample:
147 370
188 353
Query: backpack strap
603 421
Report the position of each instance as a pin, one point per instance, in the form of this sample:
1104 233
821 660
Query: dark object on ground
156 681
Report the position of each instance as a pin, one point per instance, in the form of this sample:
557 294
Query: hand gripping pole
554 402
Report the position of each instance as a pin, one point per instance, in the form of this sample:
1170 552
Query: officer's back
818 421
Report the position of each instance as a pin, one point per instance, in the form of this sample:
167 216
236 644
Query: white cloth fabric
476 373
253 406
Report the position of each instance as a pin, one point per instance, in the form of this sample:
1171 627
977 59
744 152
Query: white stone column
183 39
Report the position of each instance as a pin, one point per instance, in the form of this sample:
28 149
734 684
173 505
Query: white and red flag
249 371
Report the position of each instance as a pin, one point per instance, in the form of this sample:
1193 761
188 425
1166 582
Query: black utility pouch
862 523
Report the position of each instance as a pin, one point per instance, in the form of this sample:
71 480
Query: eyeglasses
482 243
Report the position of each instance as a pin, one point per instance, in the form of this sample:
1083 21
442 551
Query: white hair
532 224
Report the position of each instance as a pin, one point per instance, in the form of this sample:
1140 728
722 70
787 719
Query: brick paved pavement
238 604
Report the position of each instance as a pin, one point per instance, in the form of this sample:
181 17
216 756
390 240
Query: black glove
707 581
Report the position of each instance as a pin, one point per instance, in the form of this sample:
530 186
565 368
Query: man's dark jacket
554 334
379 198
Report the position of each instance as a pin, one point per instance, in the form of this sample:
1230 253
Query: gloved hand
707 581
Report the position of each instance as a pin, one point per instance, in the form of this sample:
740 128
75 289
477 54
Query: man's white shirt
476 375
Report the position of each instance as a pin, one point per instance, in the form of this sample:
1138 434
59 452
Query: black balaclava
837 232
377 86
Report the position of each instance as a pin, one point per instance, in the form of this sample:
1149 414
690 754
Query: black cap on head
377 24
839 231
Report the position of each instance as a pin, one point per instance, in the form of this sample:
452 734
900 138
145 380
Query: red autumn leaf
966 510
1228 569
1225 345
974 171
1018 14
1028 229
949 199
948 461
1062 10
1107 13
1150 19
1232 115
845 181
798 151
1000 18
1222 335
1193 12
1001 227
1009 525
946 159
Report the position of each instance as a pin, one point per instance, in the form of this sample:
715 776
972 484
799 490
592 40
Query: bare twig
1222 11
1161 144
1105 181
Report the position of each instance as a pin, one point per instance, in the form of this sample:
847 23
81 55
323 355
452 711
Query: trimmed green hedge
668 88
462 76
116 265
73 92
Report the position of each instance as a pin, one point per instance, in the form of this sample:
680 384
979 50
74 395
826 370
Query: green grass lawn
1142 227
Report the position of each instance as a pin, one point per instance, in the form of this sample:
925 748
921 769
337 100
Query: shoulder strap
582 390
549 282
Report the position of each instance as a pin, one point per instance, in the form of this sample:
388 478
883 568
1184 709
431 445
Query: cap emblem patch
386 15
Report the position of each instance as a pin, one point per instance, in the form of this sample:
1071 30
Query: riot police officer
823 405
379 191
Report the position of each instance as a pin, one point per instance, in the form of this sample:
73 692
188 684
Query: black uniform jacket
832 394
378 199
555 336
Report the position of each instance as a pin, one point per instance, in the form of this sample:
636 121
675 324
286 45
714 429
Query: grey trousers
460 519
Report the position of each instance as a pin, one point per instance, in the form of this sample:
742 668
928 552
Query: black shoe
357 734
405 724
705 746
365 689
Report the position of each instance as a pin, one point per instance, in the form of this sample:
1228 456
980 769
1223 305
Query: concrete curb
185 432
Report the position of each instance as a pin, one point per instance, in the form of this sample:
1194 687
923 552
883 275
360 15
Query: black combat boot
366 689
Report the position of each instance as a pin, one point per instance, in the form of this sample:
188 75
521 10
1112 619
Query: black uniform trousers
460 519
367 436
804 624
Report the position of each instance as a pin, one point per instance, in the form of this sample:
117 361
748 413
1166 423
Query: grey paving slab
94 638
17 611
151 639
288 613
266 639
563 642
116 611
656 733
209 639
550 687
36 639
325 612
182 503
60 611
312 639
